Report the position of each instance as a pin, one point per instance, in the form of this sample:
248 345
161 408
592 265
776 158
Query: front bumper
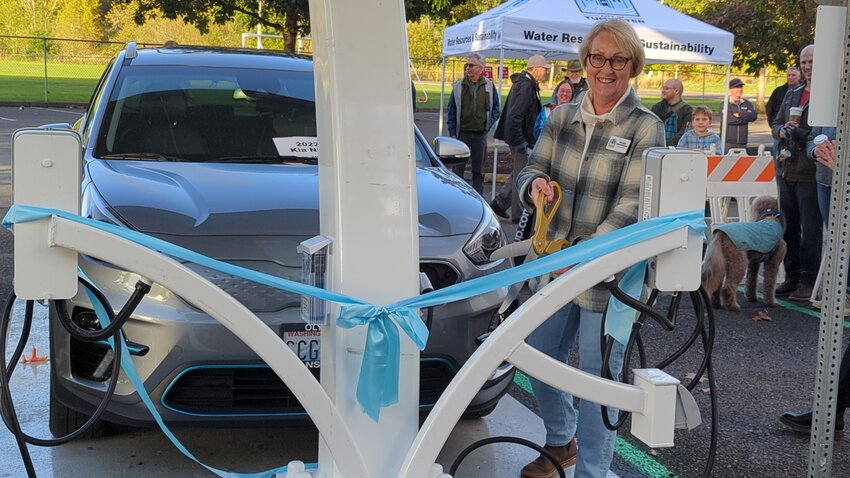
198 373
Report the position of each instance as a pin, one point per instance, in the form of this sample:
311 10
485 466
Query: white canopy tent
556 29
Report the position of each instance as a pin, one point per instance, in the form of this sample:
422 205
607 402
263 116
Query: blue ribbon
619 317
378 383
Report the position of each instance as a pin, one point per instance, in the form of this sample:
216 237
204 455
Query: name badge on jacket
618 144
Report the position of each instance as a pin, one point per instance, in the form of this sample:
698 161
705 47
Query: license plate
305 341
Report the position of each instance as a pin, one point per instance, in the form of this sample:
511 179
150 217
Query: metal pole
44 54
367 199
496 141
835 285
442 98
724 111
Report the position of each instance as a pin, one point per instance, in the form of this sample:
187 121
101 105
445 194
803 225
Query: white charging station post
368 206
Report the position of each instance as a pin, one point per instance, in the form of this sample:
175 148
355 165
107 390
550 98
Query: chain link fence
64 70
52 70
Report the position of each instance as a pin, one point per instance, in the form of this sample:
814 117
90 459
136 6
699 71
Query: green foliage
425 37
767 32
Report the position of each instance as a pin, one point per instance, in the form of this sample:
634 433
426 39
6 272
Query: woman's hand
825 154
541 184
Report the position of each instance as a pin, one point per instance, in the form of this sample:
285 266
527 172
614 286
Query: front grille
441 275
257 390
232 390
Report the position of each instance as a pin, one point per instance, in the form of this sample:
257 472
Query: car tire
64 420
480 413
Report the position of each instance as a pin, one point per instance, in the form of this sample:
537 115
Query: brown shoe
543 468
802 294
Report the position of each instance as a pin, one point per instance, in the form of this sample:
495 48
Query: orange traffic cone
33 358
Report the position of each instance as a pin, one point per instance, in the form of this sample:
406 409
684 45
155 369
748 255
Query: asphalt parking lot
762 369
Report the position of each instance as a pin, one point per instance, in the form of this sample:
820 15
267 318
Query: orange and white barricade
738 176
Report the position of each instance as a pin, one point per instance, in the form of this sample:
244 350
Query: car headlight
486 239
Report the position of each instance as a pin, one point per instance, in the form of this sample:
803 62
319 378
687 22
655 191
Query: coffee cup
795 113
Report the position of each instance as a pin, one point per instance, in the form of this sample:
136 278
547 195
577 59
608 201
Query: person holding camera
798 198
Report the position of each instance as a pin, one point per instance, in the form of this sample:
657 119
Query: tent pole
496 141
725 109
442 98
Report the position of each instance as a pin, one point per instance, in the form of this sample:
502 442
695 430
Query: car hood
218 199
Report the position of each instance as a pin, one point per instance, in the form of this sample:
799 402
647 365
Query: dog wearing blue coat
740 247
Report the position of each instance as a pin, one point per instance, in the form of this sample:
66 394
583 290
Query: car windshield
213 114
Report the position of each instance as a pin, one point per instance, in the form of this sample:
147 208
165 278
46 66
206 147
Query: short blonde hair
625 37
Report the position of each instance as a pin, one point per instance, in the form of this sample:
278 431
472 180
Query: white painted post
368 206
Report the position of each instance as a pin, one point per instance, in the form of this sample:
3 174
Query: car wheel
480 413
64 420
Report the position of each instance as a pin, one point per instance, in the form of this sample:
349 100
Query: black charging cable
7 408
704 328
506 439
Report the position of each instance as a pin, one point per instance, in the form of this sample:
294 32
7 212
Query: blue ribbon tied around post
377 385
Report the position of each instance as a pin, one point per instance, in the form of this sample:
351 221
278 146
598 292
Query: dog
745 246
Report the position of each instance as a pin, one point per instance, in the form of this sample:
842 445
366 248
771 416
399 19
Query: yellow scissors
538 244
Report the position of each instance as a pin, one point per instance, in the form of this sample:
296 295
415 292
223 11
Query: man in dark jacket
516 127
740 113
798 200
792 77
673 111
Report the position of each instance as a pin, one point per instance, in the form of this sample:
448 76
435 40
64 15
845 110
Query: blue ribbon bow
377 386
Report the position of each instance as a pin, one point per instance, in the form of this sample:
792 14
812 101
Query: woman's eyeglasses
617 62
470 65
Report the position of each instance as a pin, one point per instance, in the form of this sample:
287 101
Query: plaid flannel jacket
600 193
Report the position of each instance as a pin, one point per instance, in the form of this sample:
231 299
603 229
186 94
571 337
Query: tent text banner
556 28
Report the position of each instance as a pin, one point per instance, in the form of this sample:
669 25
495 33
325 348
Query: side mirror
450 151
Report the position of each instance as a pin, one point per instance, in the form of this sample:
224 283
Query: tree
767 32
289 17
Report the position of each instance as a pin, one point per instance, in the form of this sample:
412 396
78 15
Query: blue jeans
555 338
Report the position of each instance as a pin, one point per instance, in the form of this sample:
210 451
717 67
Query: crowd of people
567 141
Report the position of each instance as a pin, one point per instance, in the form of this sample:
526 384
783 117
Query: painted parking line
640 461
7 119
77 113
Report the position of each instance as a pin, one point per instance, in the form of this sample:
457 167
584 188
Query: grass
66 82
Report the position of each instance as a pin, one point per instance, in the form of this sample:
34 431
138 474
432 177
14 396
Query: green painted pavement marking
625 450
796 308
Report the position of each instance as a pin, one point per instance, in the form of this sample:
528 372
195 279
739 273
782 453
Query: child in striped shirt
700 137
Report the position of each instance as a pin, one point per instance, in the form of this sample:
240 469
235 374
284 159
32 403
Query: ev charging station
368 203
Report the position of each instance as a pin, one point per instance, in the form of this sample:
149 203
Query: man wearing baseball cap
577 81
516 127
739 114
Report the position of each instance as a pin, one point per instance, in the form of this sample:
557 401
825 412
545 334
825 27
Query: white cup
795 113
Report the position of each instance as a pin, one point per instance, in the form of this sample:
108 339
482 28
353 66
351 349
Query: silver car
184 144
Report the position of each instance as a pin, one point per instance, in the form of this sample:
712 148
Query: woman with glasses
563 93
593 150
